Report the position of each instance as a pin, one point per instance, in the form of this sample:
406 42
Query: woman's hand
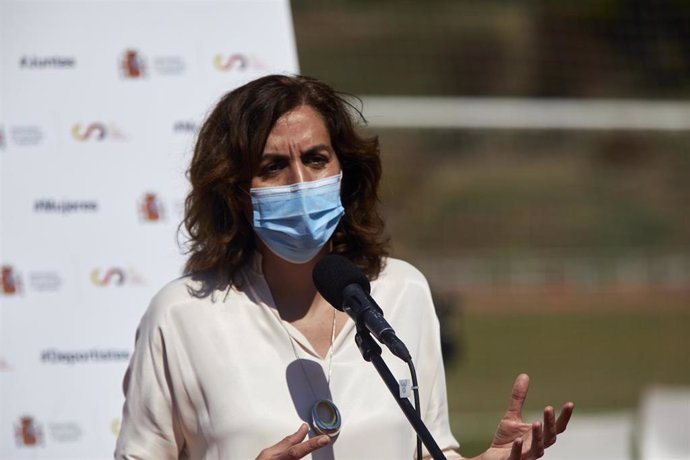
517 440
293 446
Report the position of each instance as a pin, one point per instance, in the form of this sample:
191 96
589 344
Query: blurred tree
613 48
556 48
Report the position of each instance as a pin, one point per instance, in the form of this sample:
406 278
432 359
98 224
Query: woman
236 355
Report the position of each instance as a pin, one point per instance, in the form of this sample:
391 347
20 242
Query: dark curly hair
227 155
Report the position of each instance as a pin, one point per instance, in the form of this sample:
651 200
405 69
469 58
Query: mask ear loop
330 241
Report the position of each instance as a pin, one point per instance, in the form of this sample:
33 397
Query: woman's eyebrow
269 156
318 148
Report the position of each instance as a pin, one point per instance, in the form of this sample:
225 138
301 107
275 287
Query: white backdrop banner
100 102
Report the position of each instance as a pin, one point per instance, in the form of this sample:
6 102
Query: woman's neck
291 284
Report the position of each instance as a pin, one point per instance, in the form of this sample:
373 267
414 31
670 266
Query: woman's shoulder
176 291
398 270
179 294
400 286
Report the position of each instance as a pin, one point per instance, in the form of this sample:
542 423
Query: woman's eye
317 160
271 168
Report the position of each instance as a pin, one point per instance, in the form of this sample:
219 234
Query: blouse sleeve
150 429
432 377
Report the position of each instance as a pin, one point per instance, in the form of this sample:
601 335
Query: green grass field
603 361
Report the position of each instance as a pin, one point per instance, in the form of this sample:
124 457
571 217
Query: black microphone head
333 274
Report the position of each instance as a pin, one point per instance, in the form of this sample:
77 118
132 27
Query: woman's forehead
302 126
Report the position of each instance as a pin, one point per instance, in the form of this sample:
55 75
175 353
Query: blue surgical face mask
296 221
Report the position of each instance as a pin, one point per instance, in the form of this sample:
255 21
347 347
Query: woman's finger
518 396
292 439
537 447
516 450
305 448
279 449
564 417
549 426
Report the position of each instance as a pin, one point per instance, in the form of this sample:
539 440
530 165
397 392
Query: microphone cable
415 391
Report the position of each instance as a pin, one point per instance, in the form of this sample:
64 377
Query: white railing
542 114
476 270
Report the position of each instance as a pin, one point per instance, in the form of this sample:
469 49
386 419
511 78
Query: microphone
346 288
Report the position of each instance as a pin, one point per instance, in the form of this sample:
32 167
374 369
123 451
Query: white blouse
217 377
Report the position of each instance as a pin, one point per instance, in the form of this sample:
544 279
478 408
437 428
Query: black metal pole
372 352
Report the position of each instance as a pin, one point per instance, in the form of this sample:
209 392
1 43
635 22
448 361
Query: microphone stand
371 352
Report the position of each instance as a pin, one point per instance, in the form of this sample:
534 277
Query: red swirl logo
96 131
116 276
235 61
113 276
